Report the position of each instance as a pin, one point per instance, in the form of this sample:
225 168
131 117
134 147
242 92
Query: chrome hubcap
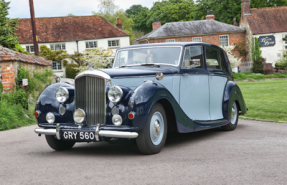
234 113
156 128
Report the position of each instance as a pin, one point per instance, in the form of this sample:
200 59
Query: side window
193 58
222 61
213 58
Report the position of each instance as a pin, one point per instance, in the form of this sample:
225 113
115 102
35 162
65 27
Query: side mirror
159 76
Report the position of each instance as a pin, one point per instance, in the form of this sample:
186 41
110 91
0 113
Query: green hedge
70 71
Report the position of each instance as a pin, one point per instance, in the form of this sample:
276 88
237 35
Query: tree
8 27
52 55
234 61
111 12
96 58
141 21
256 57
133 10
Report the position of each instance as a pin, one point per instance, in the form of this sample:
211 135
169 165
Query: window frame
57 65
62 46
227 39
88 44
29 46
203 57
170 40
197 38
117 41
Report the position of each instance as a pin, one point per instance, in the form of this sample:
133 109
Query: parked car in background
151 89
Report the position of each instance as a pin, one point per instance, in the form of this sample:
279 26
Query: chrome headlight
50 118
62 94
115 94
79 116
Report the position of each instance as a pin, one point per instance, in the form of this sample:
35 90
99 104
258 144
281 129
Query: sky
55 8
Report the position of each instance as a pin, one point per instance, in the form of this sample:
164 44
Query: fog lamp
117 120
50 118
79 116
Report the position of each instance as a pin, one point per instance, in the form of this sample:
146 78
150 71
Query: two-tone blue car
151 89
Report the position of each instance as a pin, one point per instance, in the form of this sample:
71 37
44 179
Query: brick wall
234 38
9 70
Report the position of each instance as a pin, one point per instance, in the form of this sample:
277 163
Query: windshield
155 55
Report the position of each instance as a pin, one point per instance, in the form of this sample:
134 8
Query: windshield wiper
155 65
125 66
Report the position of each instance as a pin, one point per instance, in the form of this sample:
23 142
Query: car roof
168 44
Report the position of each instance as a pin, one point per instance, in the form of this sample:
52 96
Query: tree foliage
133 10
52 55
8 27
226 10
234 61
256 57
96 58
111 12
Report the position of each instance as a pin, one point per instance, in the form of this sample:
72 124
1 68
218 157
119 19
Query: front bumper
97 131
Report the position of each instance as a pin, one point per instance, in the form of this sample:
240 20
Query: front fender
47 103
232 94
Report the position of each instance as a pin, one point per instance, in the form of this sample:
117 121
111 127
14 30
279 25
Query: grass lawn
257 76
265 99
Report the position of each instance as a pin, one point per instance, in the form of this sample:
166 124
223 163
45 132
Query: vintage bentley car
151 89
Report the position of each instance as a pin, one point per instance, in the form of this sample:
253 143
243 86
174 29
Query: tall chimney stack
210 15
234 22
245 7
119 24
156 24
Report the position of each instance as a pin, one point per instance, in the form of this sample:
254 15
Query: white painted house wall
273 53
71 47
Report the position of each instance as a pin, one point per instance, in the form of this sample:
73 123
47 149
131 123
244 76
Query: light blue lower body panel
194 96
216 88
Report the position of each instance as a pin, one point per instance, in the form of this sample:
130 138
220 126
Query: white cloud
54 8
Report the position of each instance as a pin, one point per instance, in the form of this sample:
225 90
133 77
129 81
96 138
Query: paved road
255 153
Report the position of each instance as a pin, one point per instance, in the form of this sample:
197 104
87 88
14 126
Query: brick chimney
234 22
119 24
156 24
210 15
245 7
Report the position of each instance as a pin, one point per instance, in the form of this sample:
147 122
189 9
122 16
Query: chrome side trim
95 73
102 133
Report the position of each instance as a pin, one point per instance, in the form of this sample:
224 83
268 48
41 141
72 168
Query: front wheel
59 145
234 118
152 137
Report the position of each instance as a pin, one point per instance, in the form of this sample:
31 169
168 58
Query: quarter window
93 44
193 58
214 58
57 65
224 40
170 40
30 49
113 43
55 47
196 39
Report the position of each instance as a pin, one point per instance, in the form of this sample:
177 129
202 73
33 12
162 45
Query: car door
194 85
217 80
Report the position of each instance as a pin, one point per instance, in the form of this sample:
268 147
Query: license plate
69 135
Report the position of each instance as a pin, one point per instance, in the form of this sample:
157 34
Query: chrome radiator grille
90 95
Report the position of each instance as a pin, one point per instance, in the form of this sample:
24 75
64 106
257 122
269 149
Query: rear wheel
234 118
59 145
152 137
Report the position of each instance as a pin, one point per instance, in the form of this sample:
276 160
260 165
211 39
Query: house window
30 49
170 40
196 39
113 43
55 47
224 40
91 44
57 65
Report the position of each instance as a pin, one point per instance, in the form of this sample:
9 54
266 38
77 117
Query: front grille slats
90 96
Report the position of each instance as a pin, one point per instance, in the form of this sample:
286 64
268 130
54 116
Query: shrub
71 72
1 88
256 57
282 62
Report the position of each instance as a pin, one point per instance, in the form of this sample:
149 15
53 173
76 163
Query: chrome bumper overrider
102 133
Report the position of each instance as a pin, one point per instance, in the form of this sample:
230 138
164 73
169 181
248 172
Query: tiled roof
191 28
59 29
267 20
10 55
